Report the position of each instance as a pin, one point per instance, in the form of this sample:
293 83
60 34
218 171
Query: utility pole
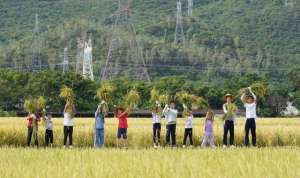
79 56
190 8
87 69
36 63
179 35
125 56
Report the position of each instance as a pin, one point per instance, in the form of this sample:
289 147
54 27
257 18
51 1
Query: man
250 105
171 116
229 109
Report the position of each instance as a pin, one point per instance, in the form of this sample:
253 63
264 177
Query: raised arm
97 111
166 109
254 96
224 108
243 98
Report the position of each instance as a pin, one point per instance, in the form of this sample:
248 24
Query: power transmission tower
80 56
65 60
190 8
125 56
179 35
36 63
87 69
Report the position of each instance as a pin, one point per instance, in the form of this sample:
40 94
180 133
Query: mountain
223 38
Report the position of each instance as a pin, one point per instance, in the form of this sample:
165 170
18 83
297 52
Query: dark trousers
156 133
68 132
228 127
48 137
188 132
250 126
29 136
171 133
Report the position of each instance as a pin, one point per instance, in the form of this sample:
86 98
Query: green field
270 132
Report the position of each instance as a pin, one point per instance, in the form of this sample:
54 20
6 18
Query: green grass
270 132
176 163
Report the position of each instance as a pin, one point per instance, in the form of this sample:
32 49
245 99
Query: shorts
122 132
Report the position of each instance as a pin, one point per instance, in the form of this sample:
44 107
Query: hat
228 95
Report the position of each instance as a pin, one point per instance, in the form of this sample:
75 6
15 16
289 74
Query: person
249 101
156 121
229 109
100 113
32 128
170 114
122 116
68 123
48 129
188 131
208 130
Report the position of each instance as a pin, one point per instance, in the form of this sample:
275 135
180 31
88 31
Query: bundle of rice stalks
184 98
104 107
164 99
154 95
67 94
29 106
105 92
34 105
231 110
198 102
258 88
132 99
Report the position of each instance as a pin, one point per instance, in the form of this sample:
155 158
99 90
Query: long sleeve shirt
170 114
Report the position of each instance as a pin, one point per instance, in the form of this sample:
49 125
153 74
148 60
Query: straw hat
228 95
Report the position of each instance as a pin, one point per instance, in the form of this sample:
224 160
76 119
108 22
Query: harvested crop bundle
105 92
258 88
199 102
154 95
34 104
132 99
184 98
164 99
67 94
231 110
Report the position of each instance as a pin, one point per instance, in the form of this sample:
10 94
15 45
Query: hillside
223 38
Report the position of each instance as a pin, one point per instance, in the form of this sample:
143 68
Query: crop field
270 132
278 154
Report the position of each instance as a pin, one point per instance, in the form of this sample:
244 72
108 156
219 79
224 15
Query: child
32 127
188 131
156 121
208 129
171 116
100 113
122 115
69 113
229 109
250 105
48 129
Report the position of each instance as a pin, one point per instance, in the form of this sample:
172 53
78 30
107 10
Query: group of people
169 112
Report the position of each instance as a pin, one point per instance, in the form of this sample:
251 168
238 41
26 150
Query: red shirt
30 119
123 120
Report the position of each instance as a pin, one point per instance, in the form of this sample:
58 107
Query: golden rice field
150 163
277 156
270 132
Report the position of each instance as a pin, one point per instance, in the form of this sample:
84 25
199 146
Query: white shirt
171 115
48 123
156 118
250 110
189 122
68 121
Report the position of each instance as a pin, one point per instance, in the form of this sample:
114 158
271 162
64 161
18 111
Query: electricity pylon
65 60
125 57
179 35
36 63
87 69
190 8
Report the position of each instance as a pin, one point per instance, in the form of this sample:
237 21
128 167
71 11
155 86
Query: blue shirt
99 121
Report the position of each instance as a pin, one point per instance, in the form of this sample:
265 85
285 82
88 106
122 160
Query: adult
170 114
229 109
249 101
69 113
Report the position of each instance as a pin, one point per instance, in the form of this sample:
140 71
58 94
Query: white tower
179 35
190 8
87 70
36 63
66 60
